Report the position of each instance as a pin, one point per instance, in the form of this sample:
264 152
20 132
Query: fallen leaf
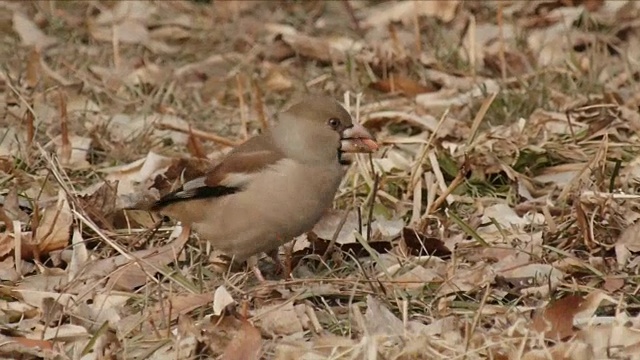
30 33
556 320
99 203
181 348
382 14
80 254
7 267
326 50
379 320
11 141
65 332
221 300
401 84
246 345
130 176
122 127
277 81
126 22
532 278
129 272
446 97
630 238
77 158
507 218
132 274
612 284
417 277
419 244
330 222
279 319
53 231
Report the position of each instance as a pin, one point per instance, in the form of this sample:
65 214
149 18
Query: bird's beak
357 139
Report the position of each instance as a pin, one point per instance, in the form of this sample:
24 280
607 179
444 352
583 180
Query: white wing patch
194 184
185 194
237 179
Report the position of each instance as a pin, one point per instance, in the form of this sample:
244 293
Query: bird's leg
288 259
275 256
252 263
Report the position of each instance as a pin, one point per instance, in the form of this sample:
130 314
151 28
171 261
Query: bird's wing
230 176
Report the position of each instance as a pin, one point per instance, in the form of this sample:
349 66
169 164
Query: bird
274 186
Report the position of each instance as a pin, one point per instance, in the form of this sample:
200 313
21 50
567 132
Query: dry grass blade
198 133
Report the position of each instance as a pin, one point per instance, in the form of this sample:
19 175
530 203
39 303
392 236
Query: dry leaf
183 348
130 176
129 272
322 49
124 128
246 345
380 321
534 278
53 231
79 256
556 320
7 268
126 22
277 81
13 345
279 319
77 158
99 203
419 244
380 15
221 300
11 140
30 34
613 284
401 84
65 332
330 222
630 238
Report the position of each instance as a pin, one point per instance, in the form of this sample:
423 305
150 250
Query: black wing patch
195 193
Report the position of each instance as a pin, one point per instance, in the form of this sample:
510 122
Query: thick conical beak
357 139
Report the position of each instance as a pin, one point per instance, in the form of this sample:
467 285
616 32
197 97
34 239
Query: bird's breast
285 200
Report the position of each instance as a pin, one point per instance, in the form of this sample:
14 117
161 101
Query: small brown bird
276 185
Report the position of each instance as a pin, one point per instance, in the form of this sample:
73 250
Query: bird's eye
334 123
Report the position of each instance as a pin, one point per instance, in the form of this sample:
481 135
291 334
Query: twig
198 133
454 184
416 31
29 119
480 116
259 106
241 104
476 320
65 148
194 146
573 134
503 61
33 69
115 43
472 46
334 238
352 16
376 180
427 146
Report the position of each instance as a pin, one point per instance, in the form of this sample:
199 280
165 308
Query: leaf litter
498 221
